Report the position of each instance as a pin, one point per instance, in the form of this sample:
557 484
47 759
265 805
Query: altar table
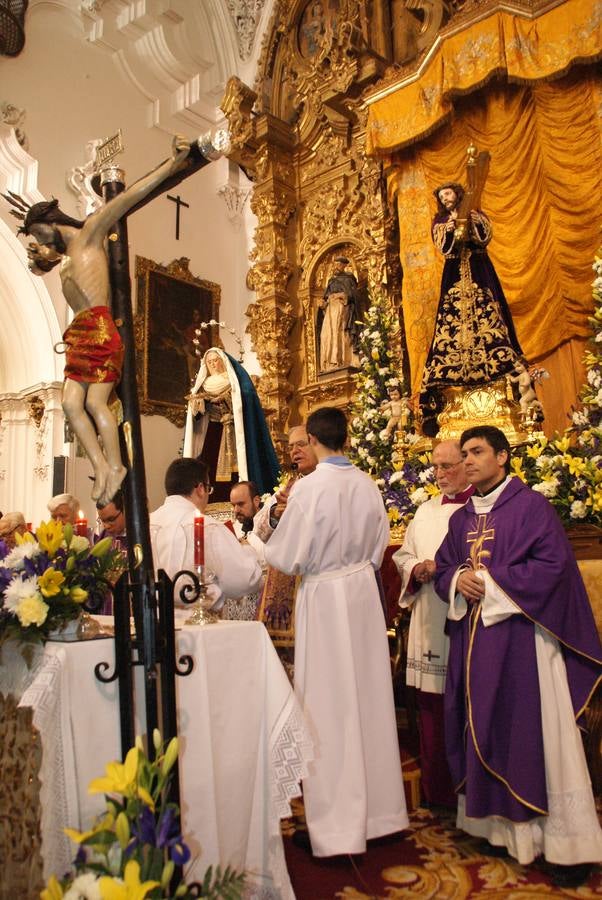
243 749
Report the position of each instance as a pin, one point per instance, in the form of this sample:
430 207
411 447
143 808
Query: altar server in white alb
231 569
428 645
333 533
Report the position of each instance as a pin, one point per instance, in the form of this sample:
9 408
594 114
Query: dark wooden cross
179 202
430 655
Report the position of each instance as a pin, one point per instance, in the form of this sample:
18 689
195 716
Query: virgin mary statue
225 425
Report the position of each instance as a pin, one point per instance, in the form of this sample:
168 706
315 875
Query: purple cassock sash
492 699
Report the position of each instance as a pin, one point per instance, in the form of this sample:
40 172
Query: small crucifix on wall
179 202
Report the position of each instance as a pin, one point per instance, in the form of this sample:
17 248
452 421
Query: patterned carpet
429 860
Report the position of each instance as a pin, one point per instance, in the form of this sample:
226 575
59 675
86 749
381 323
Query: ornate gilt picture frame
171 302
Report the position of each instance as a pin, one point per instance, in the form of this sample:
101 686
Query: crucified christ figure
93 347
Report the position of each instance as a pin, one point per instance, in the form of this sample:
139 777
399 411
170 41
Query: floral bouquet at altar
135 849
45 580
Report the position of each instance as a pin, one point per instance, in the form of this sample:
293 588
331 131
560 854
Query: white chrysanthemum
370 436
379 482
361 451
27 550
579 418
19 589
85 887
542 462
578 509
547 488
419 496
395 477
354 441
425 475
371 461
79 543
598 337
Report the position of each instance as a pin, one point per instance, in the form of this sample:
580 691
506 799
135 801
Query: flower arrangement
406 487
380 367
567 468
135 849
46 579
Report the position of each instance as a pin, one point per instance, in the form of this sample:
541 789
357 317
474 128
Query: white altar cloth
243 749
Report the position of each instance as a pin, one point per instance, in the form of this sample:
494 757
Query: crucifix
179 202
430 655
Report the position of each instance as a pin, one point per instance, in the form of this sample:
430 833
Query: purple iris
162 834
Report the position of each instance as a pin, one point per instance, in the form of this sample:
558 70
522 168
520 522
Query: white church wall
74 90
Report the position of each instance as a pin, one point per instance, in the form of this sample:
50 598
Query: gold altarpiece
326 140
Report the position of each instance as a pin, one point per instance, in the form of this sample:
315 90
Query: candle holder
200 614
88 627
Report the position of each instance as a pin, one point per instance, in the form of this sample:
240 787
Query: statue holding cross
474 341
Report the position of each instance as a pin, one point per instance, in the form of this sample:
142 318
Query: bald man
428 646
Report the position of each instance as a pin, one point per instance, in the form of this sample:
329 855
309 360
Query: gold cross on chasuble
477 538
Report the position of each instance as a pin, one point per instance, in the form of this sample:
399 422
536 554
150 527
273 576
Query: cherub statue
93 346
527 396
396 408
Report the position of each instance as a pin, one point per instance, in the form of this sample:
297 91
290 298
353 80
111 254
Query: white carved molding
245 15
79 180
177 54
235 198
14 117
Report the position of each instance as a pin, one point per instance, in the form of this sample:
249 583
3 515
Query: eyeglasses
208 488
445 467
298 445
109 520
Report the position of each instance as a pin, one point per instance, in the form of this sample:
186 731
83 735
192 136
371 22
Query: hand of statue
180 148
472 587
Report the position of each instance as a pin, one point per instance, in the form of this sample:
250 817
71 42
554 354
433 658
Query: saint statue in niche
226 427
337 328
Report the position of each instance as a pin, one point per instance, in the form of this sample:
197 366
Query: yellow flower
375 354
50 582
517 469
104 824
563 444
131 888
26 538
171 754
432 490
122 778
32 611
122 830
53 891
576 466
78 594
534 451
102 547
393 514
50 536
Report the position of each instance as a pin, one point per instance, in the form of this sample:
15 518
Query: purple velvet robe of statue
492 695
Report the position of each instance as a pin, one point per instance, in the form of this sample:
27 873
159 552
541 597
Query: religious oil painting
316 19
171 305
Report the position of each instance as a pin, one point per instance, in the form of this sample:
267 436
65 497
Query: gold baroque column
272 317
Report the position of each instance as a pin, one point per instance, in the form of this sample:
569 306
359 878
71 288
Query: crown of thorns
21 207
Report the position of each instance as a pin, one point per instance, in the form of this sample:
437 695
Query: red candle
81 527
199 541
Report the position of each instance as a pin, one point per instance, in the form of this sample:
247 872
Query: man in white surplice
233 570
428 645
333 533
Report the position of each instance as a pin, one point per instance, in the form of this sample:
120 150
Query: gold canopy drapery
543 193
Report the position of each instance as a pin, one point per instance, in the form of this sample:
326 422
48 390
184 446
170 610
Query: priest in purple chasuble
524 661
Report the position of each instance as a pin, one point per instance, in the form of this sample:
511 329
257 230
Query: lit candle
199 541
81 525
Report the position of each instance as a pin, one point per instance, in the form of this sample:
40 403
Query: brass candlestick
200 614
